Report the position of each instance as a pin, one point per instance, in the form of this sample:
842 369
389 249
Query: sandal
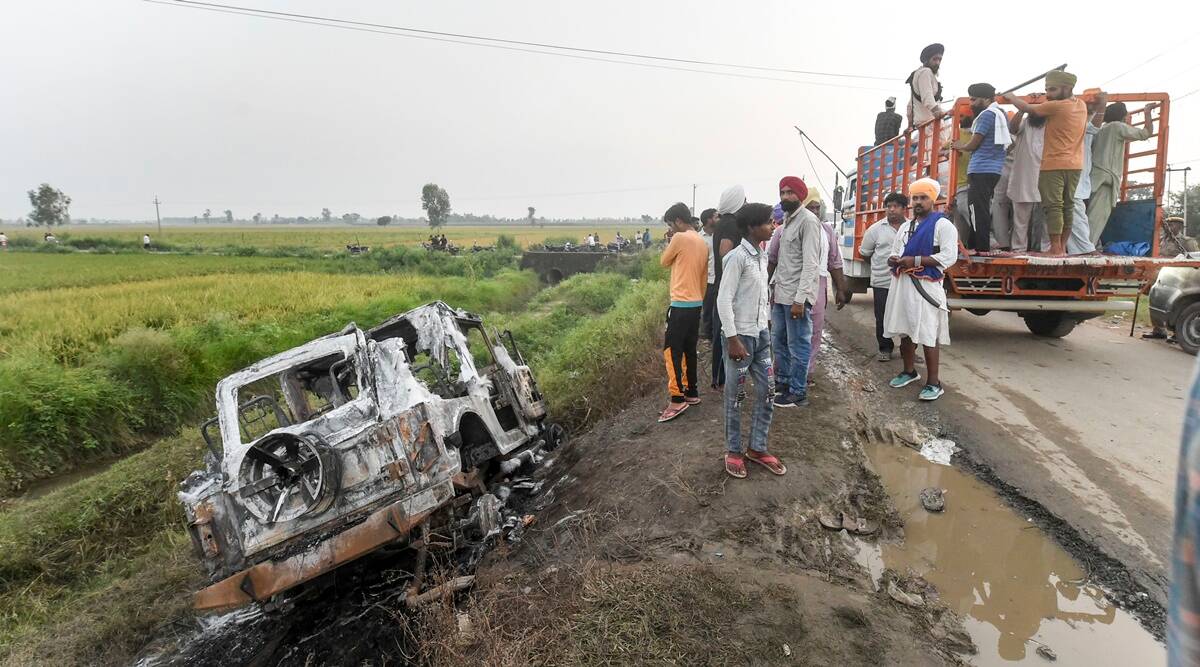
672 411
735 465
767 461
830 520
692 400
858 525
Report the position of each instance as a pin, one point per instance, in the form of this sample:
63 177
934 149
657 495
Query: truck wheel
1187 329
979 312
1053 324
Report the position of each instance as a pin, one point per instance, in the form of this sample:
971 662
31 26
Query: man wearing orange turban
916 310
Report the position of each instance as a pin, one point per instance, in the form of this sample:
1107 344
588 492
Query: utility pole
156 214
1185 171
693 199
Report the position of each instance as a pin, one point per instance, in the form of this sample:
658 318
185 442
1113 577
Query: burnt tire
1187 329
1052 324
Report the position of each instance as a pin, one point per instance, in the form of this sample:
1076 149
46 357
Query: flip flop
858 525
830 520
767 461
735 465
672 411
692 400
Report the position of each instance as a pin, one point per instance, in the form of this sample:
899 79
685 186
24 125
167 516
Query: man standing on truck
687 257
925 91
1062 152
1022 185
887 122
916 307
989 139
876 247
1108 162
795 282
744 305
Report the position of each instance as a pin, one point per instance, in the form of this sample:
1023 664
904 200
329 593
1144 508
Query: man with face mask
924 88
989 139
1062 152
916 310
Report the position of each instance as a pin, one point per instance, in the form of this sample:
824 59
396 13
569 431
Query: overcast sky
116 101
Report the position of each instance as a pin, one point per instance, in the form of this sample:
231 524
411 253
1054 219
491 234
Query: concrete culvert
552 276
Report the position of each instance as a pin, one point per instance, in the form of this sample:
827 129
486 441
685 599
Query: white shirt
877 246
712 267
146 238
907 312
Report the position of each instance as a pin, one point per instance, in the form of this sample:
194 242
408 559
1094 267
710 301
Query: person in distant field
50 238
145 241
744 305
887 122
708 224
596 236
1108 162
687 257
620 240
726 237
3 241
829 270
1183 598
646 238
876 247
591 241
925 91
990 137
794 282
916 310
1062 153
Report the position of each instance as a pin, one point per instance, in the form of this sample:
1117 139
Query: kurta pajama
908 314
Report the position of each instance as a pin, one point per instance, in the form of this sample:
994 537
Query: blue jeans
792 340
757 365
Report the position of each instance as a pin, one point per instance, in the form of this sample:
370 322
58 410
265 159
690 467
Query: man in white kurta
909 315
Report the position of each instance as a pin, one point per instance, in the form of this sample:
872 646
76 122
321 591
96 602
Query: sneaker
904 379
931 392
781 390
883 356
791 401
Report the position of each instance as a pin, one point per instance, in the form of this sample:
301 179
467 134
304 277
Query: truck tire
1187 328
1050 324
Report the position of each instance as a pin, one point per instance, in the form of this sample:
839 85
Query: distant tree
275 218
302 219
195 220
1175 207
436 202
49 206
228 215
207 214
384 221
647 219
258 217
326 214
532 210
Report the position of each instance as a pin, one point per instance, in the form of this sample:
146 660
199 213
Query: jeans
1057 188
792 343
881 294
758 366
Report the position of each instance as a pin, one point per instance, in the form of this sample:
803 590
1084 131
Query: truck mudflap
264 580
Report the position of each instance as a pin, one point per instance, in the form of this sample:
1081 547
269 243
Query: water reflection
992 566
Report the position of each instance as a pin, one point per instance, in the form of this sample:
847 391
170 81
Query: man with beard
1062 152
924 88
726 237
989 139
916 307
795 282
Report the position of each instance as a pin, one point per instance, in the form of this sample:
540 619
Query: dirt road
1087 426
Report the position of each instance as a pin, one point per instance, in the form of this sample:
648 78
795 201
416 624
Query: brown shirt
1066 121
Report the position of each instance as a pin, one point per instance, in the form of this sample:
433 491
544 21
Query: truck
358 440
1051 294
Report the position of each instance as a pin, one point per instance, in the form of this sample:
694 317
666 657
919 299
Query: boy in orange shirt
1062 152
687 257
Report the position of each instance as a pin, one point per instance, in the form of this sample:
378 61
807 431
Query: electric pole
156 214
693 199
1185 171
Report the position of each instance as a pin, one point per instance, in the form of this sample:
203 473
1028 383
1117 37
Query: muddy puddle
1016 588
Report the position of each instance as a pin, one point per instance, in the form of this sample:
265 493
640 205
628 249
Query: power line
318 22
1152 58
623 54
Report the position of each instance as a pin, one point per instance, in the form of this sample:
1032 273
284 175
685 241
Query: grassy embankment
323 238
89 571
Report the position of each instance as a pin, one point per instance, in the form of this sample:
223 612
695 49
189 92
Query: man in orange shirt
687 257
1062 152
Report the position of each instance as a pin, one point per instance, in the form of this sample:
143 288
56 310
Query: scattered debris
1047 653
939 450
904 598
933 500
438 592
787 651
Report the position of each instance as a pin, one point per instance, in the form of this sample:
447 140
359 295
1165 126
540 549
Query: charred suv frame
330 450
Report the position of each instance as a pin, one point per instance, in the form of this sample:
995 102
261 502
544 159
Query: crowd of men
1044 180
755 281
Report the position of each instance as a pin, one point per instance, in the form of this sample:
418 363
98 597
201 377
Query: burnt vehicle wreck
356 440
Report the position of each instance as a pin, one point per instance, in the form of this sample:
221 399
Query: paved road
1087 425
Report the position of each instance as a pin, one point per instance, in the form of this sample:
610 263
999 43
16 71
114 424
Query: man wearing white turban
916 311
